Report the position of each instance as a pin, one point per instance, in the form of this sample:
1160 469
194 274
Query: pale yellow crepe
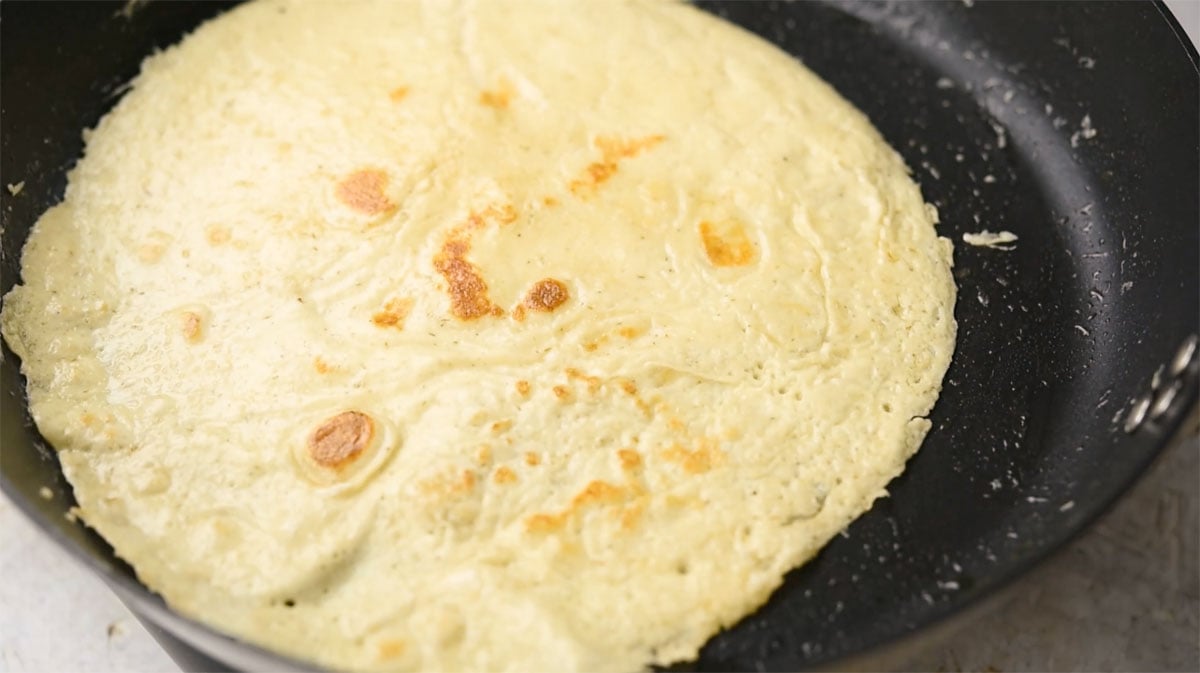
526 335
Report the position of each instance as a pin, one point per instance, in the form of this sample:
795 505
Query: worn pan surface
1073 125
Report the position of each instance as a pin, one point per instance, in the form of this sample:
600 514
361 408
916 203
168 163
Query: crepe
480 336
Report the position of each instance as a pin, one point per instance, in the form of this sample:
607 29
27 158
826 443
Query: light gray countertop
1125 596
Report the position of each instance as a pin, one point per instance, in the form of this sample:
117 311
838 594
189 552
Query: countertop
1124 596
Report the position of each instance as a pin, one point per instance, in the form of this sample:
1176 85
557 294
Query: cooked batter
500 335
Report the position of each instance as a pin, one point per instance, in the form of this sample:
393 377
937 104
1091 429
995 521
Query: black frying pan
1051 407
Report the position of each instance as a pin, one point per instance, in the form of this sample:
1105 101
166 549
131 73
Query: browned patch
546 295
451 483
504 475
192 326
362 191
549 201
393 314
518 313
630 388
467 289
321 366
600 172
726 243
616 148
501 426
483 456
339 440
505 214
630 459
562 392
632 514
391 648
630 332
523 387
217 234
612 151
593 382
544 523
532 459
603 339
499 97
398 94
595 493
675 424
699 461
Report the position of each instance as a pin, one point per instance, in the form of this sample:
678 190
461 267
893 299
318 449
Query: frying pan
1073 125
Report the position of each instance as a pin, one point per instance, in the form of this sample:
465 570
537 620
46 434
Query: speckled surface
1123 597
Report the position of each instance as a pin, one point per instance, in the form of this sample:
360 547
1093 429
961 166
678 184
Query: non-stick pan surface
1073 125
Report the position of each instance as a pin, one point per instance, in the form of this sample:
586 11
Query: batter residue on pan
500 335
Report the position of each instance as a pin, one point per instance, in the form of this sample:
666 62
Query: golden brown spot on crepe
549 201
699 461
616 148
532 459
499 97
398 94
391 648
501 426
393 314
612 151
193 326
217 234
726 243
630 459
362 191
596 492
630 388
562 392
449 483
593 382
504 475
523 387
546 295
467 289
630 332
544 523
339 440
632 514
506 214
675 424
518 313
321 366
484 455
